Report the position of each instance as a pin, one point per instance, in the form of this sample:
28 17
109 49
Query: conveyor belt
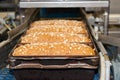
5 74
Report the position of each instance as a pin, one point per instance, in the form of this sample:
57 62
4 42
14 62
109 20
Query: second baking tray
74 61
54 62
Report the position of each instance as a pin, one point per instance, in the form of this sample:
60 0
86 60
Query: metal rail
63 3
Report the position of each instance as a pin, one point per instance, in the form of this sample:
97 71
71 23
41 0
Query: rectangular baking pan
17 62
59 62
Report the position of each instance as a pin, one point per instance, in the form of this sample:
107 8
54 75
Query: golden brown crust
54 49
58 28
58 22
39 37
53 37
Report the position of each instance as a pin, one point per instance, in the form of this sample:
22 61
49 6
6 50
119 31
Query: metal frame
63 3
105 63
104 59
69 4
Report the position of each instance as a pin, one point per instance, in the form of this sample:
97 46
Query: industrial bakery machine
94 13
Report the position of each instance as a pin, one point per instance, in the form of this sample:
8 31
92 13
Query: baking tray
53 62
61 67
57 62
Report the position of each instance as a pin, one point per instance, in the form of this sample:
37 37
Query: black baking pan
56 61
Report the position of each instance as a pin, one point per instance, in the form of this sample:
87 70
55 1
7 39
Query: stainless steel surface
114 30
114 6
110 40
114 12
7 5
63 3
102 67
114 33
104 59
19 29
106 22
114 18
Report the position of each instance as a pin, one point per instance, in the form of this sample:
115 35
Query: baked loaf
55 38
39 37
54 49
57 28
58 22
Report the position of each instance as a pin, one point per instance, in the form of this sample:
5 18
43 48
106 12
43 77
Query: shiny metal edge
40 4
